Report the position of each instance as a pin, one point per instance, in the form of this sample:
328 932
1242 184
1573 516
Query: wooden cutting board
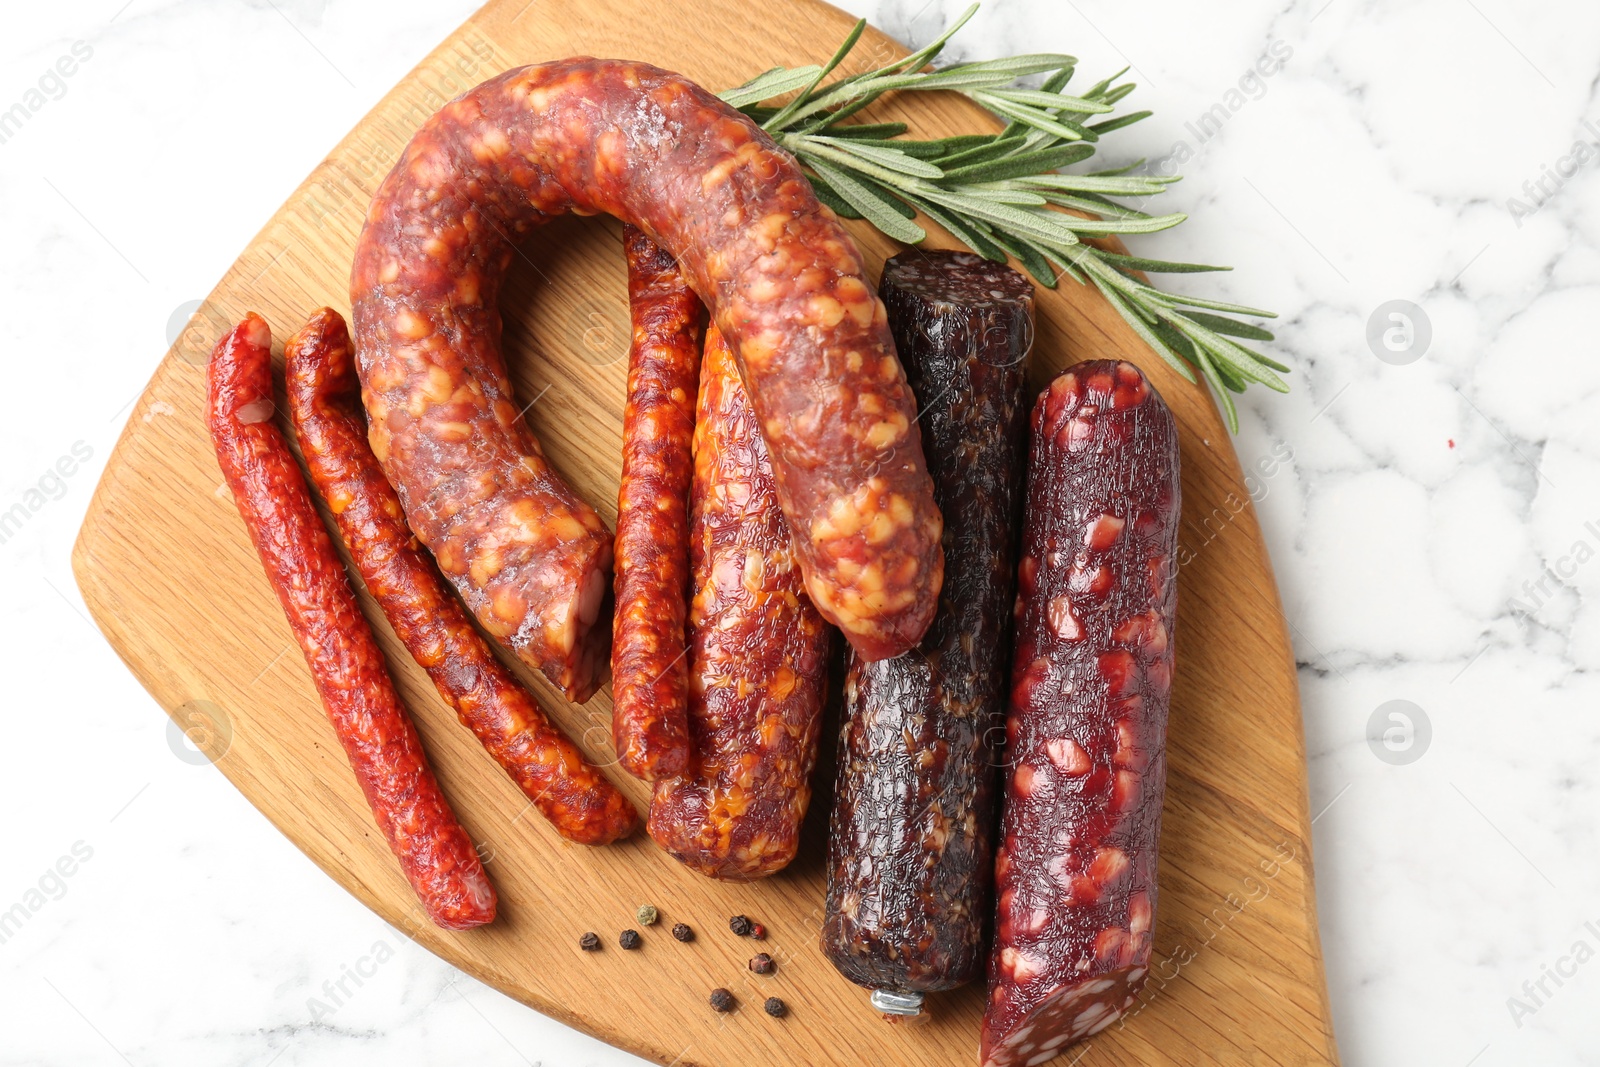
165 566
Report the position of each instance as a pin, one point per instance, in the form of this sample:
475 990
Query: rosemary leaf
1156 266
1055 101
1020 66
1030 256
876 210
839 204
1177 299
875 130
823 71
1018 166
1114 172
1039 120
892 158
1145 225
1147 334
1235 328
1119 122
774 82
1085 183
997 147
1095 206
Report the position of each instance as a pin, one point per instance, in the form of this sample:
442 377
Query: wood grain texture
165 566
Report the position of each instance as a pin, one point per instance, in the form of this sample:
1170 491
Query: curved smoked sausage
781 277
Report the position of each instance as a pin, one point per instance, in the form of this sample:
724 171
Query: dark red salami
346 664
649 662
781 277
1075 872
758 655
910 853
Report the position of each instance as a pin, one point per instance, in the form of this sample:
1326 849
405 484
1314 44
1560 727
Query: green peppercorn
647 915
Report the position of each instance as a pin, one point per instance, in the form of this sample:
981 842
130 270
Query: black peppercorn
776 1008
721 1000
589 942
682 932
629 939
740 925
761 963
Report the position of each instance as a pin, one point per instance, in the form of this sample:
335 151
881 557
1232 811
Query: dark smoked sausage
910 854
435 853
324 402
781 277
649 662
758 655
1075 872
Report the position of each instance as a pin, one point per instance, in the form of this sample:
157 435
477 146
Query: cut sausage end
1072 1012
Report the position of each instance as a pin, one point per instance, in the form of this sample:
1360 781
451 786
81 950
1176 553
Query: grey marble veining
1433 509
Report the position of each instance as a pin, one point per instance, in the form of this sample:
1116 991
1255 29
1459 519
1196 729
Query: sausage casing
910 854
649 661
1075 872
435 853
324 402
758 654
781 277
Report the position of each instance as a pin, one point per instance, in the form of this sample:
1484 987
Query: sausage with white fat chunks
1075 870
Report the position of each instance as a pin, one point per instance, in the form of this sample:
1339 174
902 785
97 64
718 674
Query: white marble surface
1422 504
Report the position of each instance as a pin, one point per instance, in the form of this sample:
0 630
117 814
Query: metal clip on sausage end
891 1003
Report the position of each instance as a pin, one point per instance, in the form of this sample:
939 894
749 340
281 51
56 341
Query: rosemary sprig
1003 194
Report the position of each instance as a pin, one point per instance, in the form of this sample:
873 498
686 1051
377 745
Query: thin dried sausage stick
1097 594
325 405
758 653
781 277
649 662
435 853
910 852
